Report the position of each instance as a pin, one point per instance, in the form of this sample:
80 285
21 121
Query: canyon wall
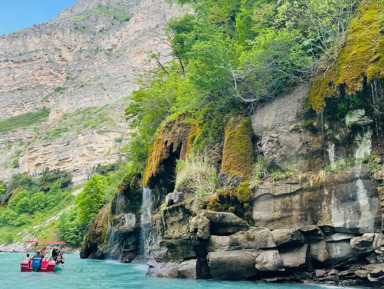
82 67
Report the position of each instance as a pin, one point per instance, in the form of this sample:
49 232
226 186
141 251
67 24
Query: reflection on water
79 274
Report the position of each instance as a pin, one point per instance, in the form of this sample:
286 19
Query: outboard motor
36 264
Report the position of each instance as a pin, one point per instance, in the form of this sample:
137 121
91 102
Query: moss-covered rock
95 241
232 200
360 60
175 138
238 155
119 218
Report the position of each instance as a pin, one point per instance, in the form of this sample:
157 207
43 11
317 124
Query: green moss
233 200
238 156
243 193
172 135
359 60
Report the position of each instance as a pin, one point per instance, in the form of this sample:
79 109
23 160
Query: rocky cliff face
86 59
298 196
115 231
319 221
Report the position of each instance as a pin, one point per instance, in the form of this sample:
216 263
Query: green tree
22 220
91 199
16 199
7 217
2 189
63 225
23 206
38 202
54 196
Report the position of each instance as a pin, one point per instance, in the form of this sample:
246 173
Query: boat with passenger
49 255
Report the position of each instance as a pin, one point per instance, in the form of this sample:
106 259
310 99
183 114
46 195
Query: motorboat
46 259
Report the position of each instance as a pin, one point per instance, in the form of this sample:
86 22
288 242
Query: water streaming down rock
364 148
111 240
331 153
119 203
363 140
145 220
118 209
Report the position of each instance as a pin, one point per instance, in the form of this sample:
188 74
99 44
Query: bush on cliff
91 199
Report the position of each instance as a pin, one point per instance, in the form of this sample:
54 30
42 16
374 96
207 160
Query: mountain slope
87 58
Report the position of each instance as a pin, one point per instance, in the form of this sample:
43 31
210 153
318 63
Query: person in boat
43 250
27 258
60 257
53 254
37 255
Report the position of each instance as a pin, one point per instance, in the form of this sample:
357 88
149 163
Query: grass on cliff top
110 12
23 121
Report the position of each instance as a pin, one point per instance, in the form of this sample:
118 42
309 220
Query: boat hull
46 266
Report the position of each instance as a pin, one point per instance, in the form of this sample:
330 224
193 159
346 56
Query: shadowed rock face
115 231
89 56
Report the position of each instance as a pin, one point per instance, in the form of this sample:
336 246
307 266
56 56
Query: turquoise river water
84 274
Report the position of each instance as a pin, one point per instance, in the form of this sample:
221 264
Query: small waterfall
118 204
364 148
145 221
367 218
364 143
111 240
331 154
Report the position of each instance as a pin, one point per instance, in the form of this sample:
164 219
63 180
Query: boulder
295 258
377 272
174 251
166 270
312 233
232 265
200 227
287 237
362 273
378 244
269 261
340 251
320 273
363 244
319 253
176 222
224 224
254 238
174 198
125 223
187 269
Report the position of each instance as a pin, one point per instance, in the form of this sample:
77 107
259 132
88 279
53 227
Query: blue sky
18 14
